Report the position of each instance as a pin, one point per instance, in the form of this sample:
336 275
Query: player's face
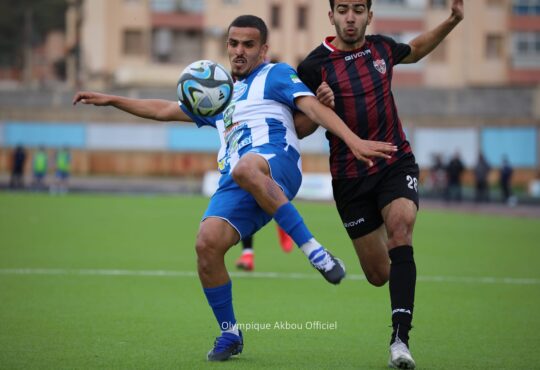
350 17
245 49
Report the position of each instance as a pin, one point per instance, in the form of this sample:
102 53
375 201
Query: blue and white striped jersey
260 112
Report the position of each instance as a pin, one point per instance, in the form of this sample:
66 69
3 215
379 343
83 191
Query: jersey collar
254 72
328 44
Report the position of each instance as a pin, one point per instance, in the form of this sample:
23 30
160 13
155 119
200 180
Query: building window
133 42
494 46
163 5
302 17
275 16
437 3
527 43
162 44
526 7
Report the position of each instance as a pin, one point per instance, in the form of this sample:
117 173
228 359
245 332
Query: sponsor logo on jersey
380 65
357 55
228 115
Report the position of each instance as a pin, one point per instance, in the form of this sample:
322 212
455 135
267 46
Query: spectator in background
17 170
40 166
505 180
454 170
63 166
437 176
481 174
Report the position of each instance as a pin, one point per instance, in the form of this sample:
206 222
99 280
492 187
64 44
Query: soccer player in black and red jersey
377 201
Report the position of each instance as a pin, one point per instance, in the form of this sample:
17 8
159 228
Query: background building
147 42
479 91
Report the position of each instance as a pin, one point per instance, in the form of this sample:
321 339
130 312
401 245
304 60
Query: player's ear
264 50
331 17
369 16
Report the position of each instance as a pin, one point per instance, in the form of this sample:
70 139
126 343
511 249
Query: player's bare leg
252 173
372 252
214 239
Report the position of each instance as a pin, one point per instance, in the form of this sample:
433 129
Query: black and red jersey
361 81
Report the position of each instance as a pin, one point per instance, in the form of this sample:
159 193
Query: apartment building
136 42
148 42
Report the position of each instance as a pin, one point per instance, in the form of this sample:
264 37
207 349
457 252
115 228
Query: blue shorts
238 207
62 175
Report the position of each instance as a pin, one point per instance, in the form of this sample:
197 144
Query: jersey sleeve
398 50
199 120
310 73
285 86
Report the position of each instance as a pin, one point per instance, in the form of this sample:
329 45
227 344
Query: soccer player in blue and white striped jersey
260 165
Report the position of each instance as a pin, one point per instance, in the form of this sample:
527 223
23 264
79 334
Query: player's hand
457 10
365 150
89 97
325 95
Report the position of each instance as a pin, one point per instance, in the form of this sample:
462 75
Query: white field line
259 275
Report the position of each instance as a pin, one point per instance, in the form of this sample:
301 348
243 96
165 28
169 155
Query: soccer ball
205 88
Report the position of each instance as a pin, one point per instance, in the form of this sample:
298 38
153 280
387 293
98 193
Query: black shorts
360 200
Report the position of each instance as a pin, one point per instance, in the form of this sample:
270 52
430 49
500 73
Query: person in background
246 261
481 175
437 176
40 165
17 169
454 171
63 167
505 180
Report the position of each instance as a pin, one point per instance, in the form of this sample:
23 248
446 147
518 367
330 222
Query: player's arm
156 109
305 126
424 44
362 149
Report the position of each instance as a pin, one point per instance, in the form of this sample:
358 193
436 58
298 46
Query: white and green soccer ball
205 88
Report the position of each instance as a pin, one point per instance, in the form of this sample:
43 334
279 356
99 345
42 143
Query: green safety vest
62 161
40 162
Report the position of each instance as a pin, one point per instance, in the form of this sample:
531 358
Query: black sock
247 242
402 284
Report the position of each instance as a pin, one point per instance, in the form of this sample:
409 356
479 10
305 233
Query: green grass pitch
108 282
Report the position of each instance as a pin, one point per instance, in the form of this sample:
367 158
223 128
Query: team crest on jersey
380 65
295 79
239 90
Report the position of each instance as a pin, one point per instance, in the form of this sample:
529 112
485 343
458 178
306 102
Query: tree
24 24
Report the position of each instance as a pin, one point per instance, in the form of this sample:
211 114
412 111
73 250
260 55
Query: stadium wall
129 149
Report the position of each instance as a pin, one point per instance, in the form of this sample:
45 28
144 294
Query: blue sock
288 218
220 299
